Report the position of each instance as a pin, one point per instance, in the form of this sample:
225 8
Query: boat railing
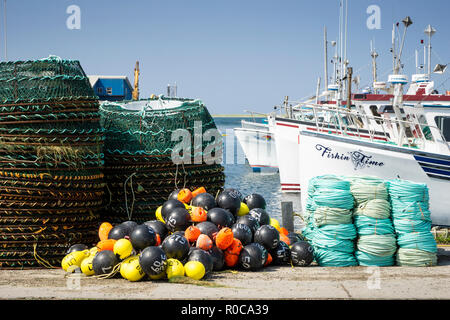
411 132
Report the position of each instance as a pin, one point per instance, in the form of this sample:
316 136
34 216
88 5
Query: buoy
178 220
158 214
74 259
295 237
204 200
184 195
129 226
243 210
174 268
173 195
267 236
235 193
159 227
153 261
204 242
93 251
208 228
261 215
86 266
176 246
229 200
123 248
235 247
284 231
281 255
250 221
198 191
224 238
253 257
218 258
204 257
169 206
302 254
285 239
104 230
118 232
255 200
194 269
77 247
143 236
104 262
243 233
160 276
198 214
231 260
268 260
192 233
106 245
220 217
131 270
274 223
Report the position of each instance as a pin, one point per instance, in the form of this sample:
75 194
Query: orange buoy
224 238
204 242
107 244
192 233
185 195
231 259
285 239
198 214
269 260
103 231
198 191
284 231
235 247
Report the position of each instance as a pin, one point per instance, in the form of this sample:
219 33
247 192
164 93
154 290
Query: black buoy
77 247
178 219
229 200
104 262
118 232
261 215
129 225
267 236
235 193
153 261
176 246
250 221
208 228
169 206
218 258
253 256
302 254
204 257
281 255
142 237
204 200
243 233
295 237
220 217
174 195
255 200
159 227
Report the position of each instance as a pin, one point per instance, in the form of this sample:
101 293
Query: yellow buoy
194 270
174 268
159 215
123 248
243 210
274 223
74 259
160 276
93 251
131 270
86 266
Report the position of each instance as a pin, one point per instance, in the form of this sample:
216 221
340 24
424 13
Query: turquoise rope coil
363 192
333 198
418 240
378 245
328 258
410 210
372 226
410 225
415 258
408 191
370 260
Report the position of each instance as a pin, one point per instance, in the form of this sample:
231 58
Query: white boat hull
259 148
328 154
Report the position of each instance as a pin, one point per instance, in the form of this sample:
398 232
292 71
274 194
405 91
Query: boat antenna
374 56
406 22
325 44
4 28
429 31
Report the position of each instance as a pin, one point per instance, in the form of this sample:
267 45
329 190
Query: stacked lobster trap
51 161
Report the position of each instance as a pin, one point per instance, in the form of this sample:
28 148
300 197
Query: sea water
239 175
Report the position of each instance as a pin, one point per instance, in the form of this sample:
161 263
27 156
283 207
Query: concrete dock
274 282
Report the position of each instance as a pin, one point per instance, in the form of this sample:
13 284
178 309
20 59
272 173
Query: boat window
99 90
109 90
375 113
443 124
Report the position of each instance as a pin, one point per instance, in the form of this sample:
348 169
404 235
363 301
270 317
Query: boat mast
429 31
374 56
325 44
136 82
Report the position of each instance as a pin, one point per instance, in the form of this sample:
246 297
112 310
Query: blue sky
233 55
